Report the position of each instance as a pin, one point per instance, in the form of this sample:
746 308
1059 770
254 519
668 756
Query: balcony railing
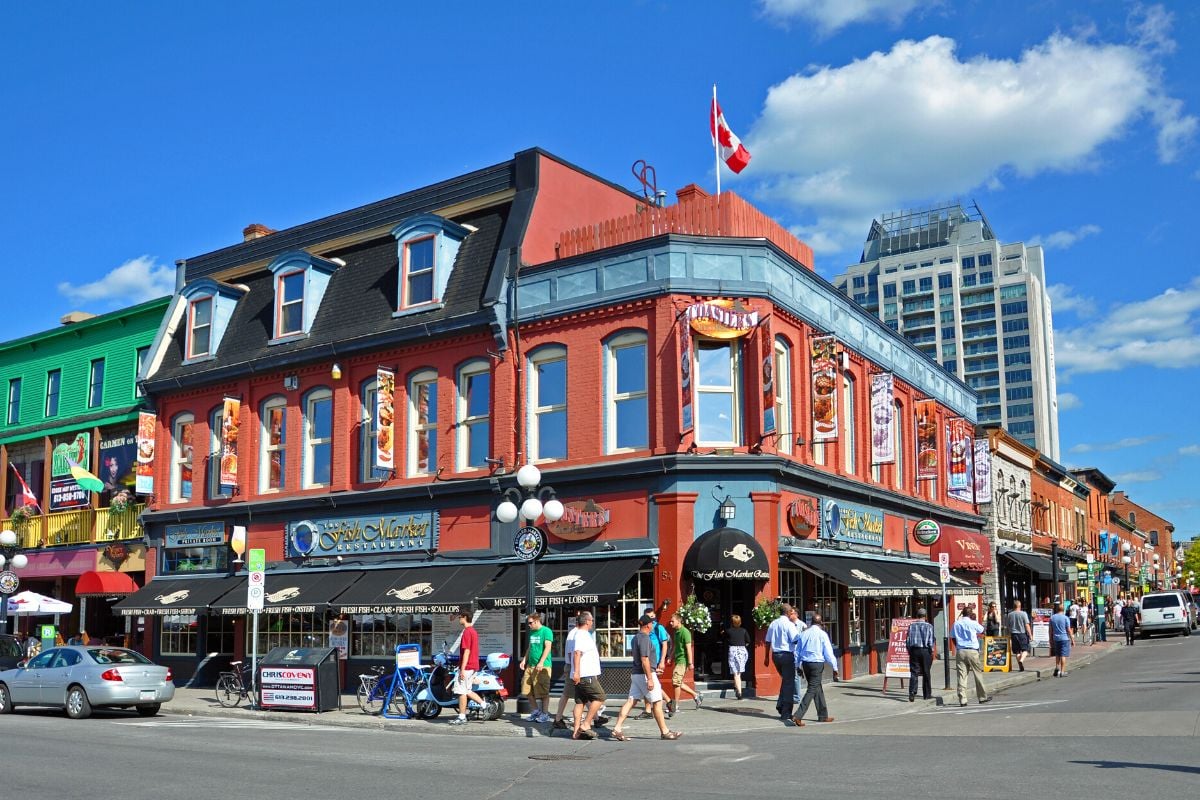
82 526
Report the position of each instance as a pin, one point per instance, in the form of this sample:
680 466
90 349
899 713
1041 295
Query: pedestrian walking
684 657
781 638
660 639
644 684
535 667
1100 612
991 621
468 665
922 650
737 639
1131 617
568 694
1082 613
585 674
1020 632
1061 637
966 656
813 652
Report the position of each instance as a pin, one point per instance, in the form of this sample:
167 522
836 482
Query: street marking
220 722
992 706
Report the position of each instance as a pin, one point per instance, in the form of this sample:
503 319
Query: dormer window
300 283
200 327
203 310
428 245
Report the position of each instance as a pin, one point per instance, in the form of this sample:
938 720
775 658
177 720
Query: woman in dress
739 653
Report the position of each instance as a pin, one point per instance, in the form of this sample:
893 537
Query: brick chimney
255 230
689 193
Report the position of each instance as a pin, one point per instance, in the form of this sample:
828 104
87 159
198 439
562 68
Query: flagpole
716 134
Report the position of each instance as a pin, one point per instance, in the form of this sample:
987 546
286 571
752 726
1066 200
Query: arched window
898 432
783 395
548 403
626 399
181 457
718 392
473 415
213 461
422 423
368 433
318 439
849 442
272 445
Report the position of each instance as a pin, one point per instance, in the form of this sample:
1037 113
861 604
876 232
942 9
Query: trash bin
300 679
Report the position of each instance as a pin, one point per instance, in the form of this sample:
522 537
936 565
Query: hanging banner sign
65 492
385 416
927 453
118 454
685 378
721 319
883 418
983 471
767 348
824 388
960 449
147 424
230 415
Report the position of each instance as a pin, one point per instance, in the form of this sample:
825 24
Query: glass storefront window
791 588
825 602
220 634
880 629
615 625
195 559
378 634
289 630
179 634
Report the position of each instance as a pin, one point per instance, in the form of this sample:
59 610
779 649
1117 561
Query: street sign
944 567
256 560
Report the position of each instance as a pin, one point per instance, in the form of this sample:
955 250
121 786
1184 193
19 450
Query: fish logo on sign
173 597
741 552
864 576
284 594
563 583
411 592
918 576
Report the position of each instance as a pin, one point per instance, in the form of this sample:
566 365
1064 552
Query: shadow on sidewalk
1131 765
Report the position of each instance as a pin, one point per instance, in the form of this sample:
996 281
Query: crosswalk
227 724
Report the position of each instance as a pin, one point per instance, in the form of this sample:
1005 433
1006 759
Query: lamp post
10 560
1155 584
534 501
1125 559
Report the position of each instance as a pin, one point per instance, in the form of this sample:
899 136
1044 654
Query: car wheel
78 705
1187 630
148 711
6 706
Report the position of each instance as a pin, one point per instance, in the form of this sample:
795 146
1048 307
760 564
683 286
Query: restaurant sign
195 534
378 533
581 520
803 517
856 524
721 319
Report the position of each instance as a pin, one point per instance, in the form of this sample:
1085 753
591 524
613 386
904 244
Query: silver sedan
80 678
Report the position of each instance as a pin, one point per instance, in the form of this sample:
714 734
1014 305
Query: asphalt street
1127 724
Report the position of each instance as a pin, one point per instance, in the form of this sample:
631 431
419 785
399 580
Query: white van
1166 612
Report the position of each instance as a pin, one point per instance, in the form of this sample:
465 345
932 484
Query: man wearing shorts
684 658
585 674
468 665
644 683
535 678
1020 632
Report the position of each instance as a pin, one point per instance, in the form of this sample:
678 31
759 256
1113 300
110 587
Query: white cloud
1190 450
1163 331
1068 401
136 281
1137 476
1151 28
1063 298
833 15
1120 444
933 125
1061 240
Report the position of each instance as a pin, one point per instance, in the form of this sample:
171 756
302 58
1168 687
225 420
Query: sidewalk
849 701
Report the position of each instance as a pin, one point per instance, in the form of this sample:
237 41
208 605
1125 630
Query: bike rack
408 664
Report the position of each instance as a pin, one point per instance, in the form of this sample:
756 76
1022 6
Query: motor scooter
438 692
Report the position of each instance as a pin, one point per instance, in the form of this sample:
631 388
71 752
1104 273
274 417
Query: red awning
968 550
104 584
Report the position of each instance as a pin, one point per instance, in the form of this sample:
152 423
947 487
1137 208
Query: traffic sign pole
256 563
944 575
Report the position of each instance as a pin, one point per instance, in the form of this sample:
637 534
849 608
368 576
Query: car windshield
1161 601
115 655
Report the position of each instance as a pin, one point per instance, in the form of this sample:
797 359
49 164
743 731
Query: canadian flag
732 151
25 497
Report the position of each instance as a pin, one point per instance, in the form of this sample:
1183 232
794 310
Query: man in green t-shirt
684 658
535 666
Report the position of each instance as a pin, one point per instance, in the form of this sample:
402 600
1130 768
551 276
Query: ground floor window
378 634
826 603
289 630
179 635
220 633
791 588
881 624
616 624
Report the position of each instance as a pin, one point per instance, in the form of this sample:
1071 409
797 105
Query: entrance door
724 598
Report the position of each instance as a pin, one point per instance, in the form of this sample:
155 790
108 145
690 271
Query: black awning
1037 564
169 596
869 578
416 590
289 592
726 553
563 583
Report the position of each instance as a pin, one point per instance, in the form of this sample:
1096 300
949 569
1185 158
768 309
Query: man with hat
644 684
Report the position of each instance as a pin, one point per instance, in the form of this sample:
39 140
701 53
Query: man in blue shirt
921 651
781 638
1060 640
966 656
813 652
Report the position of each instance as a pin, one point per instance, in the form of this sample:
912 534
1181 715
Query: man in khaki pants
966 656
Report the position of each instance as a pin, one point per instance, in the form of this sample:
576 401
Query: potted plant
120 503
21 515
695 615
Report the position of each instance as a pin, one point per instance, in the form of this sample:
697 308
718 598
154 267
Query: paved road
1125 725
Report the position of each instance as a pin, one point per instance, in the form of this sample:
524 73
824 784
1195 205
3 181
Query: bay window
718 392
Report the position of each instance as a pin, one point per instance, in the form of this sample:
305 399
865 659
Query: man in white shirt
585 674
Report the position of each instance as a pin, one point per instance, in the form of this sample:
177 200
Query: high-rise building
979 308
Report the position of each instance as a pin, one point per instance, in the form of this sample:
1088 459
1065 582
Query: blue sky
139 134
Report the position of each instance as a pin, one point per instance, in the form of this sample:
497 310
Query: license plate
1168 616
147 694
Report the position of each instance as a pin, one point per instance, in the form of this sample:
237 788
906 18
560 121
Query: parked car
1166 612
11 651
80 678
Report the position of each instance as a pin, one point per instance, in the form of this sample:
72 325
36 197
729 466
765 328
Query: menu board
897 654
494 626
1041 627
995 654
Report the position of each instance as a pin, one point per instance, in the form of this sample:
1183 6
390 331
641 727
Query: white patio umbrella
27 604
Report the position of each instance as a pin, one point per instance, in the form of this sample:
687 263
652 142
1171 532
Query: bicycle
234 686
398 688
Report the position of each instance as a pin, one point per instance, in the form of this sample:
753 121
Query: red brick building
1157 553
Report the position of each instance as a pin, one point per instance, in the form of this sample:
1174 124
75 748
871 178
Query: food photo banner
927 452
983 472
824 388
767 347
959 452
385 419
883 418
144 482
685 378
230 414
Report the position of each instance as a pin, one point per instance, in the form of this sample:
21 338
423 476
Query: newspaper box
300 679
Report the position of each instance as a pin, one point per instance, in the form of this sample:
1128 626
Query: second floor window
215 488
783 396
14 401
181 458
718 400
474 415
548 404
96 384
53 387
898 432
272 463
422 423
318 438
627 405
849 442
289 311
369 436
200 327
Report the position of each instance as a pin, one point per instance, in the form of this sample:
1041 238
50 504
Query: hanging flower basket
695 615
120 503
20 515
766 611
